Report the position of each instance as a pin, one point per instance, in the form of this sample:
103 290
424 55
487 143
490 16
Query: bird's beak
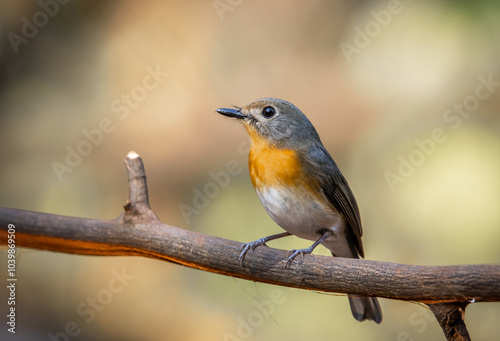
236 113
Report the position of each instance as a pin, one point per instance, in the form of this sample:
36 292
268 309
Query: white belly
300 213
304 216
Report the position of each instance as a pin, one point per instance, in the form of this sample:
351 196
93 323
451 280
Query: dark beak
231 113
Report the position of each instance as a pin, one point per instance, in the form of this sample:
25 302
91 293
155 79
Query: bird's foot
294 253
250 247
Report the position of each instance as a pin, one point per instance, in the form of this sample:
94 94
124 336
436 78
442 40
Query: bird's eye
268 112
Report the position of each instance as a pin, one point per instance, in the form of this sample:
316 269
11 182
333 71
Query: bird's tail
362 307
365 308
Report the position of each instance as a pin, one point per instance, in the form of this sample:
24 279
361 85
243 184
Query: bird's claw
294 253
249 247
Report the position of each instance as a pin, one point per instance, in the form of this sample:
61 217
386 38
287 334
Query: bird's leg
294 253
262 241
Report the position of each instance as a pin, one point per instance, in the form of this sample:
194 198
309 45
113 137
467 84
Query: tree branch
137 231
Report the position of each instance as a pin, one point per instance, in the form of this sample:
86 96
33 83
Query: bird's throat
271 166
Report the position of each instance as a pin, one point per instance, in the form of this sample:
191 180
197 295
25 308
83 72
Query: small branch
137 231
137 209
451 318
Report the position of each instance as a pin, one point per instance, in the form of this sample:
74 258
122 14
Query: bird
301 187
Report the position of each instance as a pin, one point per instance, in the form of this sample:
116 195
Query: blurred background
404 94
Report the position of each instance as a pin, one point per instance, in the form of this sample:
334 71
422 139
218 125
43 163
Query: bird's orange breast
270 166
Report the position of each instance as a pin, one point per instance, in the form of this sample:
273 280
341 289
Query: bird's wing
338 193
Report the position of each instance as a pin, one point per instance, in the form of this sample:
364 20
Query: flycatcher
301 187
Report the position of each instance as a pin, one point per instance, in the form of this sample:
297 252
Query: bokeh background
377 79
